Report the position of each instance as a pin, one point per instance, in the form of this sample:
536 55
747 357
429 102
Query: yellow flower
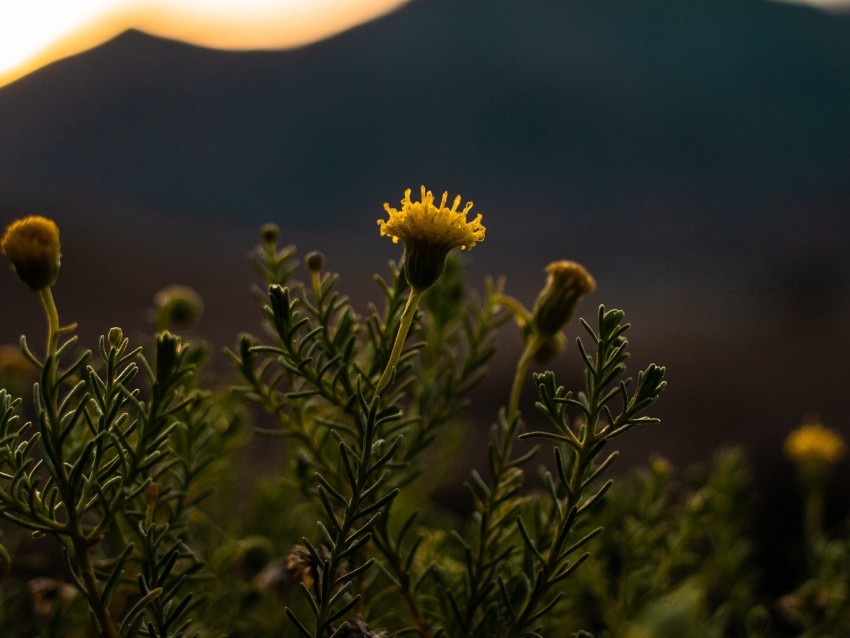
32 245
567 284
814 444
428 233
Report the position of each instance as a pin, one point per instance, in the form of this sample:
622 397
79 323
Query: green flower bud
32 245
177 306
115 336
567 284
269 233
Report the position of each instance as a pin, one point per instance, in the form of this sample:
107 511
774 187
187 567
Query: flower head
428 233
567 283
814 445
32 245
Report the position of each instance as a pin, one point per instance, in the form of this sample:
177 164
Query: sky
34 33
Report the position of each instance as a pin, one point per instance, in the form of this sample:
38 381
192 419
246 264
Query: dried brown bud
301 566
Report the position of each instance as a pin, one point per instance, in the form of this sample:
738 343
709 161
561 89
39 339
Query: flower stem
404 326
316 280
79 544
520 374
520 312
52 313
812 517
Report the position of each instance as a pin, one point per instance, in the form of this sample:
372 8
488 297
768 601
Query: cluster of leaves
353 453
524 545
351 450
110 466
674 559
821 605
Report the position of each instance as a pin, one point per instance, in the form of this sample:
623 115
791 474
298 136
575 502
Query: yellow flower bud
32 245
567 284
428 233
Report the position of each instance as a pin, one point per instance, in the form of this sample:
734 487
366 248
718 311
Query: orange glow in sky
36 32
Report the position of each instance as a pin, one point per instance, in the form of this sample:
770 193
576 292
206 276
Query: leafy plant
124 474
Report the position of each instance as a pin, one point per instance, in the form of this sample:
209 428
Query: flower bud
115 336
177 306
269 233
315 261
32 245
567 284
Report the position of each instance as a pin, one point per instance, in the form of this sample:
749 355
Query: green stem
519 376
520 312
812 517
342 541
79 542
480 572
316 280
93 591
404 326
52 314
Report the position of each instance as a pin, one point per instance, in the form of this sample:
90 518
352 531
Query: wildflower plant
109 465
357 401
121 463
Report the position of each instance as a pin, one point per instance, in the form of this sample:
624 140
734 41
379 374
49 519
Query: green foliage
126 476
111 470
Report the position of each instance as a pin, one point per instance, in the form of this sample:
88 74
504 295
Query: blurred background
694 156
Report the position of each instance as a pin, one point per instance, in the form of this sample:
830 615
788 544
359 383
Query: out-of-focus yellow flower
568 282
814 444
32 245
428 233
